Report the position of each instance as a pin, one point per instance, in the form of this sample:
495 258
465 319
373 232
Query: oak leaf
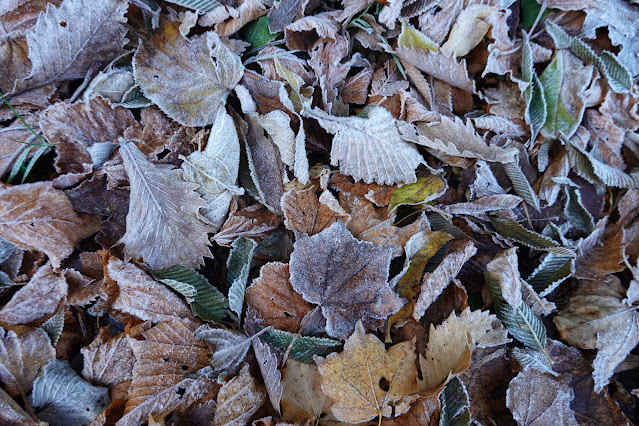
38 217
162 226
166 64
354 377
347 278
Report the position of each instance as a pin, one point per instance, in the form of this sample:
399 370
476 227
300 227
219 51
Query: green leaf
598 172
510 229
521 185
455 404
207 302
536 110
61 397
304 347
425 189
203 6
257 33
552 271
617 74
530 358
238 266
54 326
577 215
521 323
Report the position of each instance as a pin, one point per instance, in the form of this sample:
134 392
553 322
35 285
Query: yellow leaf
425 189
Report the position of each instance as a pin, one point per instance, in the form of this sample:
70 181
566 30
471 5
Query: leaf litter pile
312 212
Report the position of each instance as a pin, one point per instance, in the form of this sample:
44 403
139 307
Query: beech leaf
162 226
178 61
238 399
108 362
347 278
238 266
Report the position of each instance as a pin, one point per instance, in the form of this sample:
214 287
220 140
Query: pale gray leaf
64 398
533 359
439 65
204 6
162 226
229 349
268 362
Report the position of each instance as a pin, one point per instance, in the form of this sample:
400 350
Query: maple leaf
162 226
353 378
377 148
166 64
347 278
38 217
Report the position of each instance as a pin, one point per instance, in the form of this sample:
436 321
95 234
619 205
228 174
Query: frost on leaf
38 217
304 212
161 382
228 348
39 298
21 359
238 400
302 398
268 362
61 397
108 362
181 76
354 378
537 398
347 278
373 149
142 296
67 39
215 170
162 226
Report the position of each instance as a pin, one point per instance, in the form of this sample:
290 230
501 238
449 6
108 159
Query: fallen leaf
166 53
38 217
303 212
302 396
238 399
108 361
229 349
345 277
164 210
366 380
272 295
21 359
531 407
63 397
268 363
12 413
41 297
253 222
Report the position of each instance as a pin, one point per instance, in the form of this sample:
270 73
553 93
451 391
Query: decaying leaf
229 349
303 212
353 379
268 362
238 399
345 277
162 226
38 217
302 397
108 362
166 63
21 359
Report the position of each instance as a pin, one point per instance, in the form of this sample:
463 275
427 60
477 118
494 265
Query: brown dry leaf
375 225
248 10
168 353
302 398
380 195
142 296
166 53
601 253
272 295
40 298
353 378
84 132
347 278
451 344
238 400
36 216
21 359
306 32
162 225
253 222
268 362
439 65
108 361
539 399
434 283
303 212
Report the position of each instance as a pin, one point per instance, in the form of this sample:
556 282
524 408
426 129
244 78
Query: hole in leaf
163 154
184 367
165 359
181 391
63 24
384 384
286 314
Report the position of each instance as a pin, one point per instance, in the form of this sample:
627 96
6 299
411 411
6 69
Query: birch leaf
352 378
38 217
21 359
215 170
374 149
532 407
166 64
162 226
67 39
347 278
64 398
